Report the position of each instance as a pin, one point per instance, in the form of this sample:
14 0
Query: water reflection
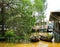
37 44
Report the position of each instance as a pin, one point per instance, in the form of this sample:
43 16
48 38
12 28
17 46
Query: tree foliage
22 21
40 7
17 14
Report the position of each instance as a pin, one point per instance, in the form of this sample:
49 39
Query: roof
54 16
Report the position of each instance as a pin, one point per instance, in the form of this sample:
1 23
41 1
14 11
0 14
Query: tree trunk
2 21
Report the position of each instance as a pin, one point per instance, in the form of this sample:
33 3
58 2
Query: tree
22 22
10 8
17 14
40 7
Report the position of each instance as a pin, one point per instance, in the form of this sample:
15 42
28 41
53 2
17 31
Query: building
55 18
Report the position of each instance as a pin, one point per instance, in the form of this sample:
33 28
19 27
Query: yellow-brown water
37 44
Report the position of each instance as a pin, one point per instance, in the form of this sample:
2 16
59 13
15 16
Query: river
36 44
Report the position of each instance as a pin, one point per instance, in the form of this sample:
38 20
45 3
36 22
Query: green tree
40 7
22 22
11 8
17 15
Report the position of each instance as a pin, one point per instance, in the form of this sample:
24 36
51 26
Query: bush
9 33
13 36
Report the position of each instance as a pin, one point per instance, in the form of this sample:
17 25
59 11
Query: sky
52 5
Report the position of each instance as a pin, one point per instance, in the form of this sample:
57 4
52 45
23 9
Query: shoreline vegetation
34 37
